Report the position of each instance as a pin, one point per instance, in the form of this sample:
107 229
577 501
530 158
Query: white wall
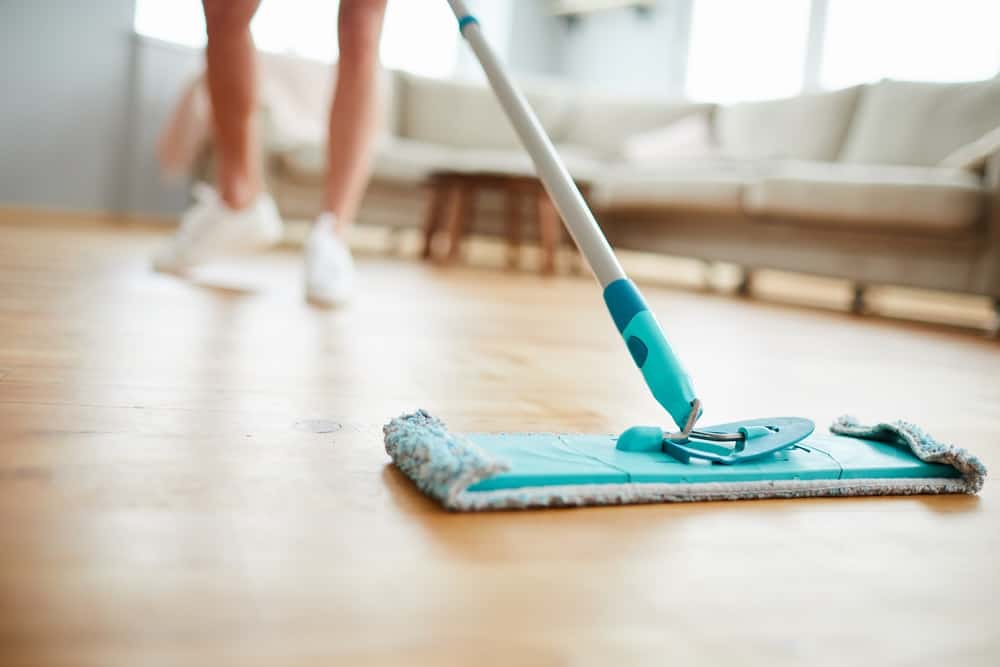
161 70
65 72
536 39
83 102
521 32
628 51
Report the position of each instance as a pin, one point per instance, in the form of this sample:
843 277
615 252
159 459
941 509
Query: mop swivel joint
727 444
688 429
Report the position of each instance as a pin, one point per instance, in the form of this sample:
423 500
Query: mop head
479 471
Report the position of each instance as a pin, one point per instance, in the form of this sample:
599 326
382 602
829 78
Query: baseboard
13 214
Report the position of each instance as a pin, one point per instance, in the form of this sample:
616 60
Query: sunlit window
940 40
747 50
419 37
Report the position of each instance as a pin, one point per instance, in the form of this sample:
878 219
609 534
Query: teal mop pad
482 471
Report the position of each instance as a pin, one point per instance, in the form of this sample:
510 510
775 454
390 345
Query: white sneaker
329 265
211 229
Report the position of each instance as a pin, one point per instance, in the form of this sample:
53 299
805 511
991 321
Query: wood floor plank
193 473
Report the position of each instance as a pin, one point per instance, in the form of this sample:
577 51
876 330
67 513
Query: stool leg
745 287
549 227
436 204
993 329
858 305
513 209
462 208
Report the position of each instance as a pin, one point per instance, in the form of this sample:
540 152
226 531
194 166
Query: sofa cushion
711 184
295 96
904 122
687 137
807 127
580 162
919 198
397 160
467 115
410 162
975 154
602 123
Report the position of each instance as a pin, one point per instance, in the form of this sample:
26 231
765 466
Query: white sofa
893 182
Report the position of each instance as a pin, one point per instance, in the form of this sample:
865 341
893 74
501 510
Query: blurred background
866 127
88 86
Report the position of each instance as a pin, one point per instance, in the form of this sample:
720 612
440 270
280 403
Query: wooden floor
193 473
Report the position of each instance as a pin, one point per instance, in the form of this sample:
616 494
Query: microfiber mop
778 457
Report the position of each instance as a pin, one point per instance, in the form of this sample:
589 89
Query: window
946 40
419 37
180 22
747 50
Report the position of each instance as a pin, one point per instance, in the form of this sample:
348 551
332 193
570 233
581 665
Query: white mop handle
566 196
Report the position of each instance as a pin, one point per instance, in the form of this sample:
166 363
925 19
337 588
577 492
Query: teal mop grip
650 350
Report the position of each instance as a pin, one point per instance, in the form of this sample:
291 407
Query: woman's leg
232 85
354 113
236 216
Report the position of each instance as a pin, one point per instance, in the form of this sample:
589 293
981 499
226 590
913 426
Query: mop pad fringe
441 464
444 465
920 443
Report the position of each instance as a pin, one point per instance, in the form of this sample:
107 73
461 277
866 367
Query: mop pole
645 340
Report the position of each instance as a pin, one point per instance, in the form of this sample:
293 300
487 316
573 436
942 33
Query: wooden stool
452 204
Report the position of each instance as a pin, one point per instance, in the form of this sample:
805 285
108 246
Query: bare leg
354 113
232 85
241 218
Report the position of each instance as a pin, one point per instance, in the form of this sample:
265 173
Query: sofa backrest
906 122
602 122
806 127
466 114
295 95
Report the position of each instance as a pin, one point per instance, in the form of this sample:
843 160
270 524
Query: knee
359 26
224 18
